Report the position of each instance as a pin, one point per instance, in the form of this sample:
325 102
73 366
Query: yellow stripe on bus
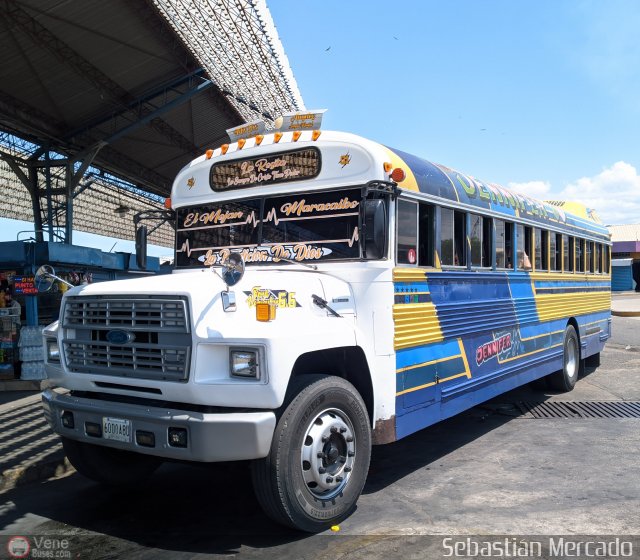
415 324
560 306
467 369
408 275
430 384
569 277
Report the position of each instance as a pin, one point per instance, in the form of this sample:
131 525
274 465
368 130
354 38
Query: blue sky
538 95
542 96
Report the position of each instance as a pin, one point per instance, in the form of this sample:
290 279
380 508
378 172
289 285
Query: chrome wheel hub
571 364
328 453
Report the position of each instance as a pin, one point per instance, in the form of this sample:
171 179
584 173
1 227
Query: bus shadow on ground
211 508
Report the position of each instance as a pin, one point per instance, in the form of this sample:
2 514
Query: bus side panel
473 336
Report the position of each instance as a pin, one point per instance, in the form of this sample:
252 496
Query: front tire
108 466
319 458
565 379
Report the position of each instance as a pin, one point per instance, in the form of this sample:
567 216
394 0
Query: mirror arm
60 279
162 216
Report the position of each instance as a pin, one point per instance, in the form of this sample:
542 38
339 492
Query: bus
328 294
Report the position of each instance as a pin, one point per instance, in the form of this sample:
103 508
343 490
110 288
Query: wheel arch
348 362
574 323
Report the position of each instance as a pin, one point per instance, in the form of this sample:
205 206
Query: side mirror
45 277
233 269
375 219
141 247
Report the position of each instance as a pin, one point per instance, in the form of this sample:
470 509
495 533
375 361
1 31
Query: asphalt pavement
494 470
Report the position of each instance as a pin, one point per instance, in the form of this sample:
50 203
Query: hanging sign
247 130
305 120
25 285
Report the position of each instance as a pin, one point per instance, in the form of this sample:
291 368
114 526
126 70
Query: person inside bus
523 261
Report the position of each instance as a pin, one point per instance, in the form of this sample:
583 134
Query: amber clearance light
265 312
398 175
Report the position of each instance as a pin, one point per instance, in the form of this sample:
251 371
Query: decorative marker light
241 143
167 203
315 135
398 175
277 137
259 139
224 148
387 167
296 135
209 153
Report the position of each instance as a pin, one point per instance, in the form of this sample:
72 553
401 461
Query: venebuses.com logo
18 547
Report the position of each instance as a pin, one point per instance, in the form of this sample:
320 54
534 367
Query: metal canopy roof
145 85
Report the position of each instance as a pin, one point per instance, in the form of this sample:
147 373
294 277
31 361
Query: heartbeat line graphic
186 248
355 236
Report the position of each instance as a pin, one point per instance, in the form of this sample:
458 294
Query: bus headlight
244 363
53 351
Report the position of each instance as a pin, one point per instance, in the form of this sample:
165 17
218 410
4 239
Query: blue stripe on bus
524 298
427 353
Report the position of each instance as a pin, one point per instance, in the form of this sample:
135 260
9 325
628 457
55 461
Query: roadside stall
24 311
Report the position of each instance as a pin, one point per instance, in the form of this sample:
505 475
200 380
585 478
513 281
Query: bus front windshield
318 226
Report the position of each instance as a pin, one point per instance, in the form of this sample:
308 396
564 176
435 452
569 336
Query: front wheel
319 458
565 379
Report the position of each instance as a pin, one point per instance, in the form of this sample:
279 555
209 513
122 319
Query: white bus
328 294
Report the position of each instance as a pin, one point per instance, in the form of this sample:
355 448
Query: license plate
117 429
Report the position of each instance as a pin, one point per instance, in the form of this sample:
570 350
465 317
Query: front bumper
232 436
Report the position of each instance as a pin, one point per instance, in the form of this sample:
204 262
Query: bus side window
537 250
487 236
407 232
426 234
504 244
500 243
599 258
556 254
459 238
579 255
545 250
524 247
480 237
567 255
452 237
589 257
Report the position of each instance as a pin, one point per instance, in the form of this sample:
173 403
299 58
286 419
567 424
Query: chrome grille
126 313
158 345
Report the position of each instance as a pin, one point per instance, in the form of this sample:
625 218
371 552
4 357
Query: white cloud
534 189
614 193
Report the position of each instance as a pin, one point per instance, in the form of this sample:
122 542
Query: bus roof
440 181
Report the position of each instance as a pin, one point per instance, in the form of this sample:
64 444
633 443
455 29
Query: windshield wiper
322 304
311 266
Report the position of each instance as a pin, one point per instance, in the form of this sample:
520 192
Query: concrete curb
625 313
19 476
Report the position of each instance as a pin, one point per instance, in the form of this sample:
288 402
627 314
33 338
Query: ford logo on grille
120 337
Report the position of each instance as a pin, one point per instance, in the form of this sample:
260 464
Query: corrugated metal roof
628 232
74 73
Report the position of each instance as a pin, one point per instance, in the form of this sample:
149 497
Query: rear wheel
112 467
319 456
565 379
